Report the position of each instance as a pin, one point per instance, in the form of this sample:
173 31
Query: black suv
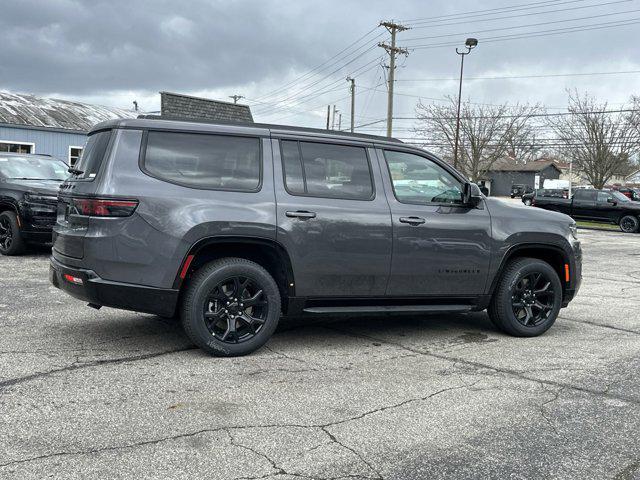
28 199
233 225
518 190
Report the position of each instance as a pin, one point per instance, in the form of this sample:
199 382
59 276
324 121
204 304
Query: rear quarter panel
149 247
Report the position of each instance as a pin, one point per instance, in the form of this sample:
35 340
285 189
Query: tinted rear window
218 162
589 195
93 154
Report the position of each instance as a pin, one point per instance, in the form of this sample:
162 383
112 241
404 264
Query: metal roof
510 165
33 111
263 129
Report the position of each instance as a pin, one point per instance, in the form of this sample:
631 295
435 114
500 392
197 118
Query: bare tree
600 143
487 133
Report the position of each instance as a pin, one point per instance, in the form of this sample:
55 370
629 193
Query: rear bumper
95 290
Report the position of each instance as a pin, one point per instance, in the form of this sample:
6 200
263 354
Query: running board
390 309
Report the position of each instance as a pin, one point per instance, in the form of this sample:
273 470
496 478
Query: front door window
419 180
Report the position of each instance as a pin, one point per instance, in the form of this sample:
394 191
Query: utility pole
333 118
470 44
353 101
236 98
392 50
328 115
339 122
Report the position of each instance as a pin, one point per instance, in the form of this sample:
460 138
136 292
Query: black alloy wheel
532 299
6 234
230 306
235 310
527 298
629 224
11 241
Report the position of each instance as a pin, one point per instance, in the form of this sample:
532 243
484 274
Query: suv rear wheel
11 242
629 224
527 299
231 307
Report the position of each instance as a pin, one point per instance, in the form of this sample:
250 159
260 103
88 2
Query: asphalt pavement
113 394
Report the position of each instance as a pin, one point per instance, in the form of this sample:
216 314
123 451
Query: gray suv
232 226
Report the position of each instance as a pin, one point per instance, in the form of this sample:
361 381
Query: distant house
507 172
31 124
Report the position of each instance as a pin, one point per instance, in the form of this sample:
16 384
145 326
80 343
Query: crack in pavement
77 366
596 324
543 412
227 429
503 370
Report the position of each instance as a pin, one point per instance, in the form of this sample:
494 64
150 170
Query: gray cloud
113 51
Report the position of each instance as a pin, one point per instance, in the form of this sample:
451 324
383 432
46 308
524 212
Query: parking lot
112 394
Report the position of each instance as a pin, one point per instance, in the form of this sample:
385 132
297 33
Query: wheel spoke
254 301
230 332
529 315
544 289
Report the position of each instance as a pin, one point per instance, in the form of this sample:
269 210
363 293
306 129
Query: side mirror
612 201
471 194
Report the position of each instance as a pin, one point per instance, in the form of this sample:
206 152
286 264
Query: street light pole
470 44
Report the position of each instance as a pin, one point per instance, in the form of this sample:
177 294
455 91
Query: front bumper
575 272
89 287
36 222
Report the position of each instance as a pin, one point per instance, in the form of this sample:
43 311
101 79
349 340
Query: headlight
574 231
33 198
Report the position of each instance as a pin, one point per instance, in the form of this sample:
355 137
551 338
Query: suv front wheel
11 242
527 299
231 307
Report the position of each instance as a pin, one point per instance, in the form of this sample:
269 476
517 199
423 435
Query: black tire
11 241
629 224
206 296
527 202
507 298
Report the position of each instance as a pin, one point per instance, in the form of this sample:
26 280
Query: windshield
32 168
620 197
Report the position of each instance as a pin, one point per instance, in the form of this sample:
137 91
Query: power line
307 87
491 11
462 34
317 67
542 33
506 17
506 77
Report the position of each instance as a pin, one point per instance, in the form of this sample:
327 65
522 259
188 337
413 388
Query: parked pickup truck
596 205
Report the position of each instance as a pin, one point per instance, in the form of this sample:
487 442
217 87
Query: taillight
97 207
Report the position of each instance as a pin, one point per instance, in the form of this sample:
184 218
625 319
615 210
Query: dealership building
31 124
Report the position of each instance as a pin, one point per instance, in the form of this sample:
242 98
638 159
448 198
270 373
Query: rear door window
327 170
585 195
93 154
205 161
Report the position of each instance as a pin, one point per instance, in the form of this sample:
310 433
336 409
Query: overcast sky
116 51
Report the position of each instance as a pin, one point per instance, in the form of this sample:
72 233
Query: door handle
415 221
300 214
